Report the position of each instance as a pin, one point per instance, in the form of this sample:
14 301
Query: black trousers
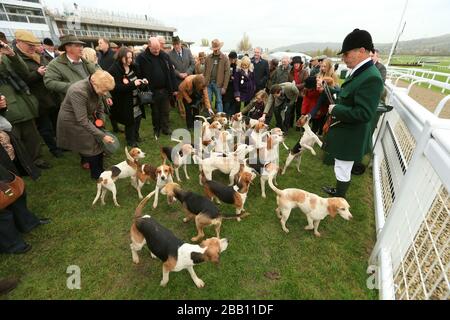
46 130
280 122
132 131
160 111
192 110
15 219
95 165
295 112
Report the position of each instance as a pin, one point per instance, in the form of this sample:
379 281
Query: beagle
161 175
314 207
197 207
209 131
236 122
257 134
223 142
235 195
229 164
125 169
221 117
269 152
175 254
178 159
266 171
307 141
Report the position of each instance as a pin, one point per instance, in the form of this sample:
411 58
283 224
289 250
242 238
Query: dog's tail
202 117
275 189
99 190
236 217
176 140
197 159
163 155
140 207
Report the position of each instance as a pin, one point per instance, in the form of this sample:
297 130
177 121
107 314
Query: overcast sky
275 23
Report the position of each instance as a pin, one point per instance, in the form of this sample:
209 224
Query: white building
26 14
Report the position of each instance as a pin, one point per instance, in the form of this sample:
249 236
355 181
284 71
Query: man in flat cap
69 68
26 44
349 136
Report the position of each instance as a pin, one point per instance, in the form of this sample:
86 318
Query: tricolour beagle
175 254
235 195
161 175
125 169
197 207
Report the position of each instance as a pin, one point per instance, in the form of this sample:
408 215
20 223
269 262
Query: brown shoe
7 285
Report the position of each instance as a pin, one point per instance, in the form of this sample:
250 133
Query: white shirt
359 65
50 53
72 61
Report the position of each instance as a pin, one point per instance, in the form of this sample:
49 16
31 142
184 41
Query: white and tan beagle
228 164
125 169
314 207
175 254
180 158
209 131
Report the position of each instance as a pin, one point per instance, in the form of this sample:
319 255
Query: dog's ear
332 206
269 142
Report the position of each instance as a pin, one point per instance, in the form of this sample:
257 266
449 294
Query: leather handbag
145 96
11 191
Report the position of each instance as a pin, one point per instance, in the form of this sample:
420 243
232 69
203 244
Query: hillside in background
426 46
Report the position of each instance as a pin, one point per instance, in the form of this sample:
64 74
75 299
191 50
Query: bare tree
245 45
205 42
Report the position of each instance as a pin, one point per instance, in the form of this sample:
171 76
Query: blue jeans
212 88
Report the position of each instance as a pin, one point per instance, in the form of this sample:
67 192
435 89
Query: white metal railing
411 176
18 17
421 73
125 36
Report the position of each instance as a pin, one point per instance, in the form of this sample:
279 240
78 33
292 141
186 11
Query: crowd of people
63 94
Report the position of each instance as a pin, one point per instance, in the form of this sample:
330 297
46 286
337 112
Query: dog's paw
136 261
153 256
163 283
263 195
313 152
199 283
317 234
309 228
154 205
185 220
286 230
195 239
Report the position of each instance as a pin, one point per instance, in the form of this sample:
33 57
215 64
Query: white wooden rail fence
411 176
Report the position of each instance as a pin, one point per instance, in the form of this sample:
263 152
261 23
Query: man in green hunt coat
349 137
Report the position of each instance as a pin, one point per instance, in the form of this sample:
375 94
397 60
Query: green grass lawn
97 240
